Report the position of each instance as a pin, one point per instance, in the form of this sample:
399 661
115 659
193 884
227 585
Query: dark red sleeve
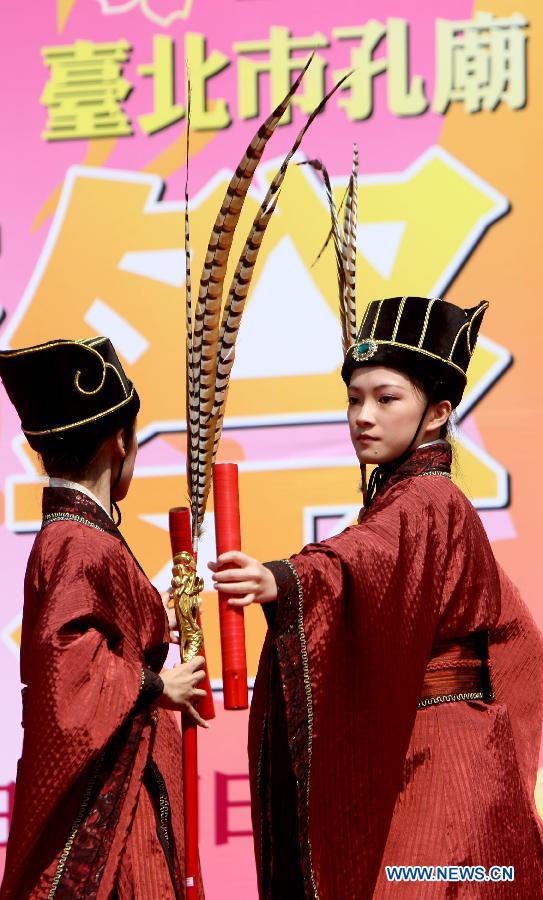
349 638
82 664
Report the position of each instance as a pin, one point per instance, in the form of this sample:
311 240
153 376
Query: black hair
70 454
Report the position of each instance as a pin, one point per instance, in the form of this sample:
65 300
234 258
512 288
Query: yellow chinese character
204 116
481 63
280 64
165 110
404 98
85 90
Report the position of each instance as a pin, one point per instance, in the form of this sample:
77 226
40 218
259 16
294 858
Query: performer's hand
239 574
181 689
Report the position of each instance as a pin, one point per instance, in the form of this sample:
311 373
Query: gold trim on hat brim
446 362
88 343
62 342
82 422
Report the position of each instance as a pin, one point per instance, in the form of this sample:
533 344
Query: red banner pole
228 537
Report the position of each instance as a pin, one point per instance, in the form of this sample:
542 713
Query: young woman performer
98 807
396 715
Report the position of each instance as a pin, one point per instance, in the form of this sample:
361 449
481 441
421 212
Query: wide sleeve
516 654
349 638
366 597
82 664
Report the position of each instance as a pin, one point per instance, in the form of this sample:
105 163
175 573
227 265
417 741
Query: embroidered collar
60 503
75 486
432 458
73 503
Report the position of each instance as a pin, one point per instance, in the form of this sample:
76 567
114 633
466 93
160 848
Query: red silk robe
84 824
348 775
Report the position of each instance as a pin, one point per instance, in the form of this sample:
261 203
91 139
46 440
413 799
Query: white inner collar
430 443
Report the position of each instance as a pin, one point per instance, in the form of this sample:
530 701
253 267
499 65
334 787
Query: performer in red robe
98 805
396 715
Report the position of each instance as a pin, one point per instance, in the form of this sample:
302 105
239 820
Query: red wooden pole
228 537
181 540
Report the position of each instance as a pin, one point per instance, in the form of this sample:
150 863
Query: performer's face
384 410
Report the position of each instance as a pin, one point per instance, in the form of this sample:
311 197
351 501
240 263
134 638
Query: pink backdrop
91 242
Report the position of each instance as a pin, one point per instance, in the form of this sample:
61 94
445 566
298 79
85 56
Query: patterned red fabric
91 622
342 764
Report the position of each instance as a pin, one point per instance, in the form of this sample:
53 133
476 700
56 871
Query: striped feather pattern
345 240
349 254
240 286
192 422
330 234
231 321
205 326
337 236
213 347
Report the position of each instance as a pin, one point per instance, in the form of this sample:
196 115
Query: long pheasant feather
348 251
337 236
211 430
232 319
207 340
242 278
207 312
330 234
211 427
192 423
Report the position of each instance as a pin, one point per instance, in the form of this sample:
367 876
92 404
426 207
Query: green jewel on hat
365 350
426 337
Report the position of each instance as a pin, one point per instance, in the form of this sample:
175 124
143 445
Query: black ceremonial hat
63 386
418 335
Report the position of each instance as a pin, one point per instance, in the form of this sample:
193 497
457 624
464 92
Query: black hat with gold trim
64 388
420 336
426 337
430 340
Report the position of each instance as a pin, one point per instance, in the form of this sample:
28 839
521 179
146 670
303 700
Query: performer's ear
440 413
120 442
